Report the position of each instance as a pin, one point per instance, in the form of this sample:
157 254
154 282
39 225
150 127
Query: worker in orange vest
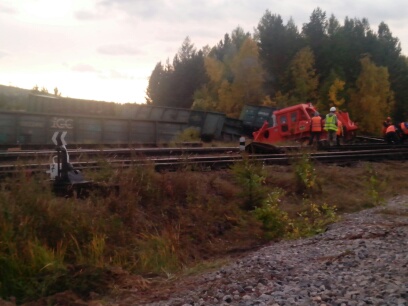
386 124
340 132
316 128
403 131
391 135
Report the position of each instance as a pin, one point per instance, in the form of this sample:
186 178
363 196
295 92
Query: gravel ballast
360 260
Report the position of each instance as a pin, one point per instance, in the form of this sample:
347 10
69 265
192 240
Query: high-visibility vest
316 124
339 128
386 124
404 128
390 129
330 123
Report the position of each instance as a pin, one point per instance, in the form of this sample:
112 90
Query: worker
316 128
330 126
403 131
387 122
340 132
391 135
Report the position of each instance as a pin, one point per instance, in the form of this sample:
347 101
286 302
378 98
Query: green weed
313 219
250 175
158 253
306 179
275 222
374 186
188 135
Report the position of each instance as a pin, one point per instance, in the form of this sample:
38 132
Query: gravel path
361 260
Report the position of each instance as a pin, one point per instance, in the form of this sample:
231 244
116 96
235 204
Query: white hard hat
332 109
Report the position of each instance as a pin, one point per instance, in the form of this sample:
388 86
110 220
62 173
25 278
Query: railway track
75 154
201 160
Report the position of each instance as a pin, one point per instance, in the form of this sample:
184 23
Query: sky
107 49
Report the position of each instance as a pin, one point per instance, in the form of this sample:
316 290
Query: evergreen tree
155 92
315 33
174 86
277 45
386 51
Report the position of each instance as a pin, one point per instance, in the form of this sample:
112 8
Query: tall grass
159 223
50 244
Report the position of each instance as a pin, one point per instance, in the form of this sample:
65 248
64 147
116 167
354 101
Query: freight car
254 116
35 120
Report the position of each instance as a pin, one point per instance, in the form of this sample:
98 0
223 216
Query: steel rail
149 152
205 163
123 152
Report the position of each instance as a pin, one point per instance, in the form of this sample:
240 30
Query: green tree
386 51
188 75
277 45
175 85
372 98
315 33
326 89
156 91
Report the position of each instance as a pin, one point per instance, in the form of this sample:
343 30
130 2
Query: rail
214 162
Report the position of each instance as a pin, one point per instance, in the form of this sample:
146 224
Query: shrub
188 135
307 183
275 222
313 219
250 175
373 186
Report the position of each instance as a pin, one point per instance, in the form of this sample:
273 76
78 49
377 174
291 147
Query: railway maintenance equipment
293 124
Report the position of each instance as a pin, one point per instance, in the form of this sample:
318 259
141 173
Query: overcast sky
106 49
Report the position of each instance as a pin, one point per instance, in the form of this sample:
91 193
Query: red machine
293 123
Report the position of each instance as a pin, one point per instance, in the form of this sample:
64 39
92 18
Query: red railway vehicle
293 124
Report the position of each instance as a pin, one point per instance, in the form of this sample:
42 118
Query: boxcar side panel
8 129
31 129
167 131
115 131
213 125
88 131
142 132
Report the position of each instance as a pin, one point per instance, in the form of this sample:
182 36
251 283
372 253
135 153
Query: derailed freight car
18 128
130 124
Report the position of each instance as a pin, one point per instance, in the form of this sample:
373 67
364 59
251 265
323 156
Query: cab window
293 117
284 123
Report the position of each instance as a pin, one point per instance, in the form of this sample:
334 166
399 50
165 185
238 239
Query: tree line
347 65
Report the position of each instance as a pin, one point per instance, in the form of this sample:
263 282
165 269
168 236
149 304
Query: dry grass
160 224
345 187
